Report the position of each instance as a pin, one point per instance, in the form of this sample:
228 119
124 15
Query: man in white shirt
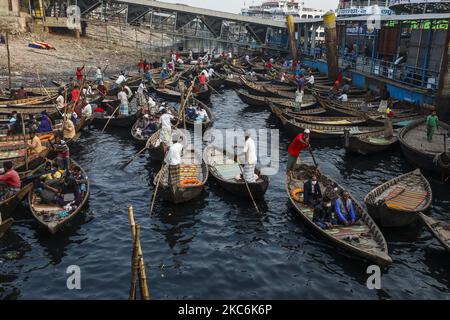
166 127
86 112
121 79
343 97
123 108
210 72
173 159
250 158
98 75
140 94
60 102
311 80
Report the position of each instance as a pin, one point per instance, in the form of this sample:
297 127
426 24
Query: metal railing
402 73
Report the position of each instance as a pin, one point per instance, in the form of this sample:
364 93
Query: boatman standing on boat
432 125
79 74
298 100
98 75
122 96
300 142
173 159
250 158
166 127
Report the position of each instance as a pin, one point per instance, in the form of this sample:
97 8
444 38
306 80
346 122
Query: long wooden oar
313 157
156 190
245 181
135 156
248 189
112 116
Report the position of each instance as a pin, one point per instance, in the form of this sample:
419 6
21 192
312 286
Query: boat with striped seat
185 182
398 202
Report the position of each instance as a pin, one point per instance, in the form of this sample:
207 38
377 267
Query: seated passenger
323 213
9 181
345 212
311 191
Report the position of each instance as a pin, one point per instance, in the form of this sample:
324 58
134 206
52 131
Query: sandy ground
70 53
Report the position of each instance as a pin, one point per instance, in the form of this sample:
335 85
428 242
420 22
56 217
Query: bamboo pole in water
134 266
145 294
138 265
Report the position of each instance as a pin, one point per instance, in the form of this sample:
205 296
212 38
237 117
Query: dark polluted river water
216 247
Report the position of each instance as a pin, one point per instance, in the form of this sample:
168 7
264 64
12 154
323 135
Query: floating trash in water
11 255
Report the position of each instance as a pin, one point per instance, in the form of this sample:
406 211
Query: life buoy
190 182
294 194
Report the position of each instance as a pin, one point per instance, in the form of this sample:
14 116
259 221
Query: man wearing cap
300 142
250 158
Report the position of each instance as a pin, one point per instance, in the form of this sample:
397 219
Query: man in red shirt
141 66
9 181
75 94
202 80
300 142
79 74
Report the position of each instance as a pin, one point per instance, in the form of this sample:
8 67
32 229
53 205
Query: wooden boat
252 100
224 169
121 121
216 82
232 83
36 91
51 110
253 88
205 124
275 93
33 101
277 111
52 216
331 121
368 143
371 244
236 69
8 205
397 202
157 150
20 157
321 131
5 225
174 95
308 102
193 174
439 229
141 139
430 156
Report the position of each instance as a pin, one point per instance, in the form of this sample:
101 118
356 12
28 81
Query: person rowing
300 142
